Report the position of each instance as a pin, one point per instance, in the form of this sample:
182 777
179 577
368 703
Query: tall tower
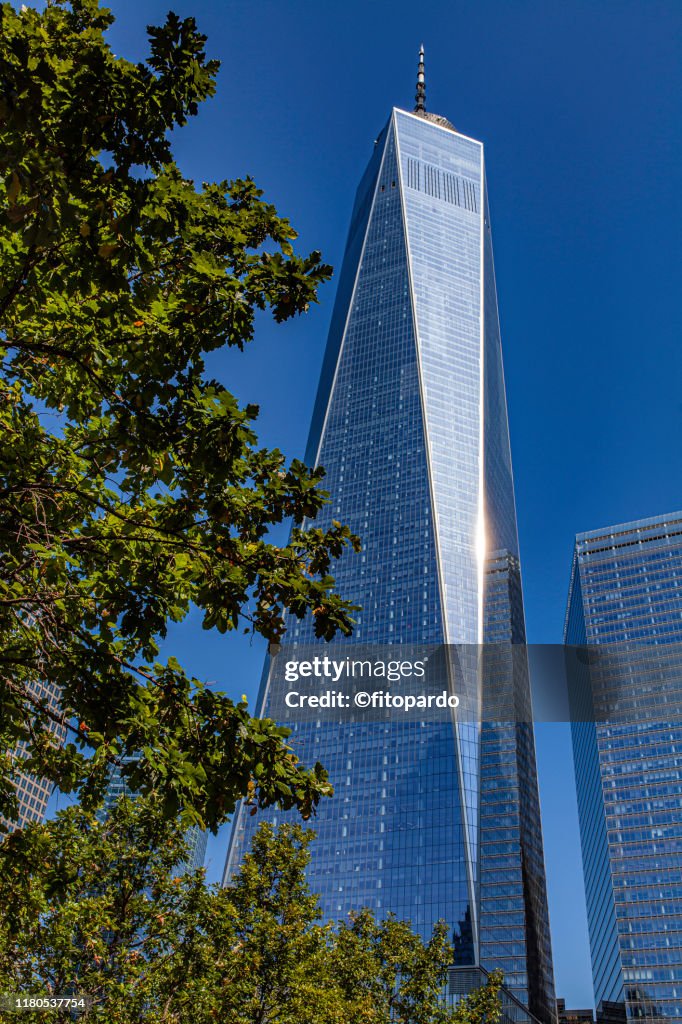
410 423
625 604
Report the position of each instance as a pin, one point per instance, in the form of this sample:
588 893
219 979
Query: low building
565 1016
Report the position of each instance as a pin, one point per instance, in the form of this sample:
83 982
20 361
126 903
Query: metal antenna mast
421 87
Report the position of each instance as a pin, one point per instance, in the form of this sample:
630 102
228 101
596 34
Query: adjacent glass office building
33 793
625 603
431 819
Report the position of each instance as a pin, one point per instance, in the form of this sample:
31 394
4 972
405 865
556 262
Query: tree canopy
96 908
132 484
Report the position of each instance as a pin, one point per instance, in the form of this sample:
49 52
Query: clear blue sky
579 105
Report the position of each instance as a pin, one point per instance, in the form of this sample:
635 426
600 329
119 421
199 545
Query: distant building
625 604
194 837
611 1013
565 1016
608 1013
33 793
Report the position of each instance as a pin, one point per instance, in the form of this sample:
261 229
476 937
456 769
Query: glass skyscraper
429 820
33 793
625 604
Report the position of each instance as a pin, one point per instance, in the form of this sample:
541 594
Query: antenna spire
420 107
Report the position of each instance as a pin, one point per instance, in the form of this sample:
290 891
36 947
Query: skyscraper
625 604
430 819
33 793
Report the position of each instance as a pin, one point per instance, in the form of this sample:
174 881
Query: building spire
420 107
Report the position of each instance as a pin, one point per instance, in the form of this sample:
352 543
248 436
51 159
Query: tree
95 907
390 975
132 485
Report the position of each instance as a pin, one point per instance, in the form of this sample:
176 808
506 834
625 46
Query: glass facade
515 934
33 793
626 592
410 424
